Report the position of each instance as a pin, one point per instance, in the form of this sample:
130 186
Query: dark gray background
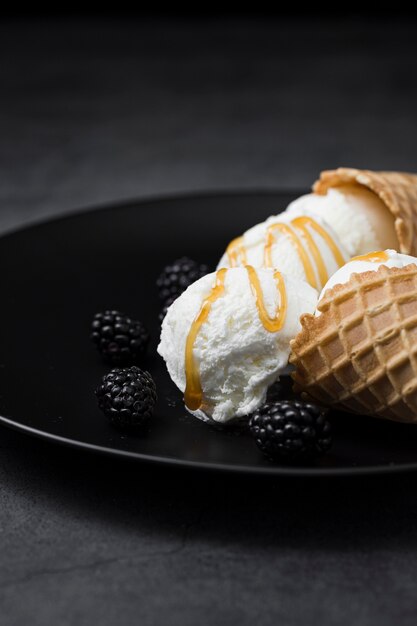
97 111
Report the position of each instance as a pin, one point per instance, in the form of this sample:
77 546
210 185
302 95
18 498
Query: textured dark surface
91 113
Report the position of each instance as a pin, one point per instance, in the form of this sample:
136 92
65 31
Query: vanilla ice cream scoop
300 244
226 339
367 263
359 217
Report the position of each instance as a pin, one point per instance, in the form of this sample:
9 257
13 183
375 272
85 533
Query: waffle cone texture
360 354
398 190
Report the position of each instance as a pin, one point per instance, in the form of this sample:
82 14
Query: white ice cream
361 220
284 255
237 358
359 265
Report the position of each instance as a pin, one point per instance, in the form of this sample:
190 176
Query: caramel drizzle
287 230
271 324
372 257
301 223
338 256
193 395
234 250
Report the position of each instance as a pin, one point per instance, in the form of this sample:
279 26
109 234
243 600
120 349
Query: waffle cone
398 190
360 354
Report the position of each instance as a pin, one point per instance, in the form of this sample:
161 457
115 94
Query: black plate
56 275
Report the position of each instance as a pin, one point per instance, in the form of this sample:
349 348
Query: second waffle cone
360 354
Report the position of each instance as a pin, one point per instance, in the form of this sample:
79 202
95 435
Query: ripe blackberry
120 339
177 276
127 396
165 308
291 430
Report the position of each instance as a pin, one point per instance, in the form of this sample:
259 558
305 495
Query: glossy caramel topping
271 324
307 249
372 257
287 230
338 256
301 223
235 251
193 393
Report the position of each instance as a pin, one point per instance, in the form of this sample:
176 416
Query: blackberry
120 339
291 430
177 276
127 396
165 308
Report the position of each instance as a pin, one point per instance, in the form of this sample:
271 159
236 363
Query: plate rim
164 461
265 470
126 203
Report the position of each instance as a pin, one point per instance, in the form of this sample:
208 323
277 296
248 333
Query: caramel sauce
299 223
287 230
271 324
338 256
193 395
236 250
372 257
237 253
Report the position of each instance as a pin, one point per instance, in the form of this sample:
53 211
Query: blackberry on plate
177 276
120 339
127 396
291 430
165 308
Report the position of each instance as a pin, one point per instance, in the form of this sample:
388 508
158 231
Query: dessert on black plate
227 335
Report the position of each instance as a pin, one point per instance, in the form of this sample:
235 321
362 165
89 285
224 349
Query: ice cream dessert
350 212
359 217
301 244
359 353
226 339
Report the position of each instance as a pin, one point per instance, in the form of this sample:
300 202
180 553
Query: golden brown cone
360 354
398 190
